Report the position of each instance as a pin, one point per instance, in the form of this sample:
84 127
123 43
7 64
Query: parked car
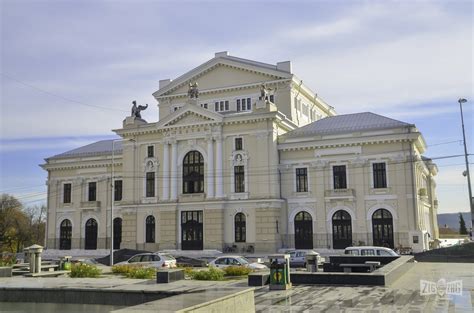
190 262
370 250
157 260
236 260
298 257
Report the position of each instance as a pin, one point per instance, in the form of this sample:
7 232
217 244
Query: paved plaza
402 296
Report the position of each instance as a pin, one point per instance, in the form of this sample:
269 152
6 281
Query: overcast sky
70 69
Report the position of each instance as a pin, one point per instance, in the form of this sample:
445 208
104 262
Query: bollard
35 258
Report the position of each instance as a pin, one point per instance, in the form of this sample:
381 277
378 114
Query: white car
370 250
298 257
236 260
156 260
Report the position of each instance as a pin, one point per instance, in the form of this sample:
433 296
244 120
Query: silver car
298 257
156 260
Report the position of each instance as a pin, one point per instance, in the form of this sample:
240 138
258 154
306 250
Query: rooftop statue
193 91
137 109
263 92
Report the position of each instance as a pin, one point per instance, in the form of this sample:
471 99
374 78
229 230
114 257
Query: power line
59 96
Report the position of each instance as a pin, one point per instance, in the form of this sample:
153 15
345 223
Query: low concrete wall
6 271
383 276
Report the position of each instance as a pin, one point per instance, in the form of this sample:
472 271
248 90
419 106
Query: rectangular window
339 175
226 103
301 180
244 104
118 190
221 106
204 105
92 191
238 105
239 175
238 144
305 110
150 185
67 193
151 151
380 175
272 99
249 104
216 106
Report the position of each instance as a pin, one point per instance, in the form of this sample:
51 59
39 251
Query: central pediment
190 115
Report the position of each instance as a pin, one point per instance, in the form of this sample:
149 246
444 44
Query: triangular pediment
190 115
223 72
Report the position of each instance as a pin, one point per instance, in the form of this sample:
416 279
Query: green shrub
7 260
122 269
237 271
141 272
212 274
84 270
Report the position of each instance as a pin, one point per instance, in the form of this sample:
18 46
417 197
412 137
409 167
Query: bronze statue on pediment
137 109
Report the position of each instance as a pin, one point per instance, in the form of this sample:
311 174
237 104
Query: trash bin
65 263
311 260
279 272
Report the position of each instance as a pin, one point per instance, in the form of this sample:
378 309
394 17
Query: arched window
150 229
240 227
193 172
303 231
382 228
341 230
65 233
91 234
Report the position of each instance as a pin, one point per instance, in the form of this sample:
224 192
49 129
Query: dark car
190 262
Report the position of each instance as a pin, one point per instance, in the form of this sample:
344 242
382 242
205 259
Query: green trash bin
279 272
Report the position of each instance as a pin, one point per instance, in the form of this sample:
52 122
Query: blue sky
70 69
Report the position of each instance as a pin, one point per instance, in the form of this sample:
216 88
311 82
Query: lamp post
461 101
112 199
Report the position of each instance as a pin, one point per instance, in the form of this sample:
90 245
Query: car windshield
168 257
243 261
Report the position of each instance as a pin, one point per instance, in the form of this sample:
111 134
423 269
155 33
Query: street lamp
461 101
112 199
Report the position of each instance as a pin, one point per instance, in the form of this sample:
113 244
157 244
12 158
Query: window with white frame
221 106
239 179
379 175
67 191
92 191
339 177
150 184
302 179
238 144
244 104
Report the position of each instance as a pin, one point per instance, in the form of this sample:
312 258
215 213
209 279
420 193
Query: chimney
221 54
164 83
284 66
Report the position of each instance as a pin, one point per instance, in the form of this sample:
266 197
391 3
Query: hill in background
452 220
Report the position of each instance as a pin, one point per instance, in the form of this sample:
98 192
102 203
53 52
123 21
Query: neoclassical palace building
244 155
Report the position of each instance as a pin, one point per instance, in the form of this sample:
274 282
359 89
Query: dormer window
244 104
221 106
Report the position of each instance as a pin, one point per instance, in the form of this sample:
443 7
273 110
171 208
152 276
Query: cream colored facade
268 156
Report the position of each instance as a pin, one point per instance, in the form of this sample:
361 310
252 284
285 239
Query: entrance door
191 230
341 230
65 233
382 228
91 234
303 231
117 232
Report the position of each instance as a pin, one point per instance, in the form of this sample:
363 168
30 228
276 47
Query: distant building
234 163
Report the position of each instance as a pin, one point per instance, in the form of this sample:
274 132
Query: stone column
174 170
219 173
166 171
210 168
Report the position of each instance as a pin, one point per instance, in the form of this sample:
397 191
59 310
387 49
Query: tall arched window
382 228
150 229
303 231
341 230
193 172
65 233
91 234
240 227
